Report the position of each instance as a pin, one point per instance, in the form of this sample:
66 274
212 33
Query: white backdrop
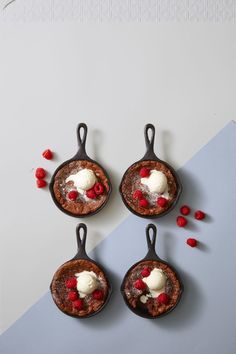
116 78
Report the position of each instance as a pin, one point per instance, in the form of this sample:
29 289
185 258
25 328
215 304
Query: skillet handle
81 241
81 154
151 241
149 155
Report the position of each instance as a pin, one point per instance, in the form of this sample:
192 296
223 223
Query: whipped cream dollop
156 182
87 282
83 179
156 282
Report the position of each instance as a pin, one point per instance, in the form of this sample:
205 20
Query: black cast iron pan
80 155
82 255
151 156
150 256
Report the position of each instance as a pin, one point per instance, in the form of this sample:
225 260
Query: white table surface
116 78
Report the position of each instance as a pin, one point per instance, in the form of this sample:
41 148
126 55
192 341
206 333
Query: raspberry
139 284
162 202
137 194
185 210
98 188
143 203
71 283
145 272
40 173
41 183
192 242
72 195
199 215
97 294
78 304
47 154
144 172
181 221
72 295
163 298
90 193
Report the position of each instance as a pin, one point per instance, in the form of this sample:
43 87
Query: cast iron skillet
151 255
151 156
80 155
81 254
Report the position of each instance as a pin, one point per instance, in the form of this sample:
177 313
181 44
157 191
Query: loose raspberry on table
40 173
181 221
47 154
41 183
185 210
192 242
199 215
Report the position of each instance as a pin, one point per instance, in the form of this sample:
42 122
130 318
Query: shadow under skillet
167 146
97 139
191 305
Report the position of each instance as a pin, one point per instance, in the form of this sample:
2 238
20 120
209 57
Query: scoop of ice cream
84 179
156 279
156 182
86 282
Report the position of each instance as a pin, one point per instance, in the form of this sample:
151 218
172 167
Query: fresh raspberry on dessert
78 304
47 154
185 210
162 202
199 215
144 172
181 221
98 188
72 295
145 272
143 203
97 294
139 284
71 283
91 193
40 173
137 194
72 195
192 242
41 183
163 298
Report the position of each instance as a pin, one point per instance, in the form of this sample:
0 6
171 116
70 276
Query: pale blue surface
204 321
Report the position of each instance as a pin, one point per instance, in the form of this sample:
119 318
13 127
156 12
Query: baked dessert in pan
151 287
80 186
80 287
150 187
